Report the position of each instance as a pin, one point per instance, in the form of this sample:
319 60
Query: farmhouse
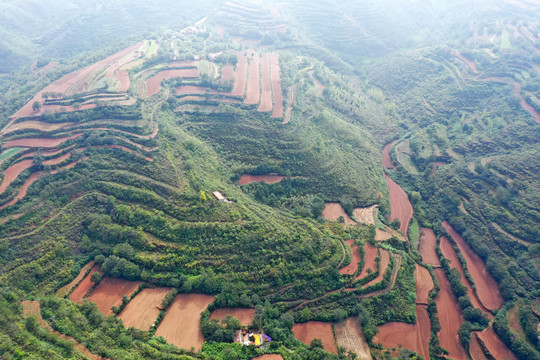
220 197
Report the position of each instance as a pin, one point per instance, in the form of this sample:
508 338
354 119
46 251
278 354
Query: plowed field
266 95
332 211
384 262
277 92
428 243
424 284
350 336
370 253
180 326
109 293
487 288
365 215
13 172
253 91
143 310
84 286
400 207
269 179
244 315
307 332
495 345
449 316
153 84
353 265
386 159
39 142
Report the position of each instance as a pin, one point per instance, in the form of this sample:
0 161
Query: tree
96 277
36 106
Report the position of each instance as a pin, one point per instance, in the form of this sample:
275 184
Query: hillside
348 173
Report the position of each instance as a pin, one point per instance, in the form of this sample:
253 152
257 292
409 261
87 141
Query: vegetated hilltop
132 158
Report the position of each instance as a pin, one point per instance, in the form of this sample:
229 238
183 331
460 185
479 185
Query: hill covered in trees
320 171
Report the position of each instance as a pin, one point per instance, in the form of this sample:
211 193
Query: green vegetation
139 199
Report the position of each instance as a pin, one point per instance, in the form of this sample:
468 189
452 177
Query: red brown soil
383 265
192 89
350 336
353 265
487 288
269 357
449 316
332 211
381 235
32 308
400 206
153 84
180 326
475 349
277 92
13 172
269 179
386 159
39 125
84 286
365 215
428 243
495 345
75 82
244 315
192 98
311 330
240 76
227 73
525 105
266 95
64 290
467 61
57 160
142 311
370 253
424 284
411 336
123 77
253 91
39 142
449 253
109 293
22 192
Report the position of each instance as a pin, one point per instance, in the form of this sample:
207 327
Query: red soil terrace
428 242
370 253
85 285
449 316
383 265
39 142
424 284
153 84
400 206
307 332
495 345
240 76
142 311
449 253
332 211
109 293
411 336
180 326
269 179
277 93
266 95
253 86
244 315
13 172
353 265
487 288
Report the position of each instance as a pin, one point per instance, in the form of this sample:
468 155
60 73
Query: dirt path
32 308
501 230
